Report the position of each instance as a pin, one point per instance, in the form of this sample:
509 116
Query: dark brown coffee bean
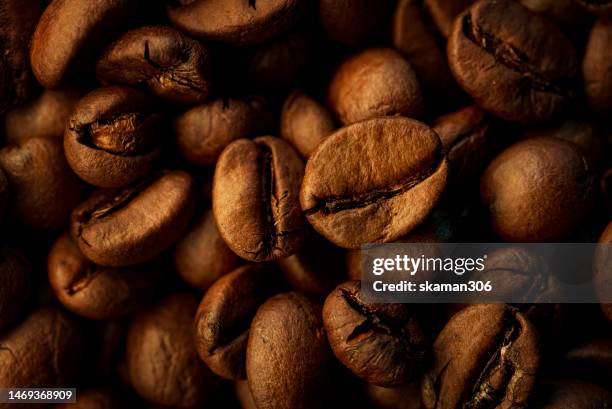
93 398
539 189
44 117
565 13
43 188
486 356
600 7
70 32
582 133
162 360
590 360
255 198
93 291
413 37
243 393
513 62
466 139
596 67
113 137
571 394
110 344
17 21
401 397
373 181
15 285
381 343
305 123
387 86
351 22
42 351
234 21
170 64
287 337
316 269
221 326
119 227
204 131
201 256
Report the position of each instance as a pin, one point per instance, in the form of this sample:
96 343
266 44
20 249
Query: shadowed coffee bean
93 398
603 258
15 285
466 139
539 189
119 227
41 351
590 360
571 394
243 394
204 131
221 326
600 7
596 67
113 138
255 198
413 37
93 291
401 397
43 188
234 21
486 356
162 360
70 32
381 343
44 117
304 122
373 181
512 62
17 21
171 65
565 13
387 86
287 337
201 256
351 22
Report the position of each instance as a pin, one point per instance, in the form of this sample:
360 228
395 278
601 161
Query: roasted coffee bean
255 198
373 181
221 326
600 7
596 67
351 22
44 117
582 133
93 398
381 343
565 13
161 357
486 356
316 269
401 397
93 291
201 256
112 137
70 32
15 285
235 21
590 360
43 188
387 85
571 394
413 38
305 123
279 64
120 227
204 131
17 21
243 393
512 62
466 140
171 65
287 337
539 189
41 351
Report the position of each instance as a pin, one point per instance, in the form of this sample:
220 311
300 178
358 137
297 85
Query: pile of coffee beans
185 186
